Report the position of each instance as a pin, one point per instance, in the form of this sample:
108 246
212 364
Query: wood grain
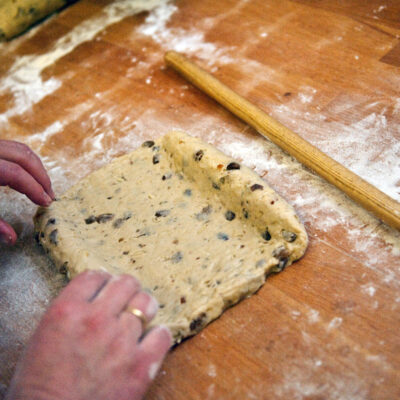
325 328
356 188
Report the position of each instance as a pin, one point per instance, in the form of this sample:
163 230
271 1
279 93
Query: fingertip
50 192
159 338
153 349
47 200
8 240
166 333
7 234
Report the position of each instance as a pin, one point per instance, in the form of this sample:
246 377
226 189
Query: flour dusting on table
179 39
323 208
24 79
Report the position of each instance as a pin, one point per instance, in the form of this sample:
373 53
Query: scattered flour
321 207
369 289
379 9
37 140
335 323
358 146
299 382
313 316
305 98
212 371
181 40
24 79
210 391
295 314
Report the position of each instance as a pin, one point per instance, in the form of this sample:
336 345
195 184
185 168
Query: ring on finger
139 314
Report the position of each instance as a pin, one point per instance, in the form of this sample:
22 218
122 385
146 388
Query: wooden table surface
90 84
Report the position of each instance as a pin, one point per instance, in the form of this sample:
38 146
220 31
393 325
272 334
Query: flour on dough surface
199 230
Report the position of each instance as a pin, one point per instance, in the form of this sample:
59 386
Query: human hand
87 347
22 170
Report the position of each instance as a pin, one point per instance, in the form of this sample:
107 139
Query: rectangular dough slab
199 230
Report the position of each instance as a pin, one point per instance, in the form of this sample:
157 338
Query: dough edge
283 213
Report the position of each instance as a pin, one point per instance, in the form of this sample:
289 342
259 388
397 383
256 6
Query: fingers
7 234
22 155
115 295
17 178
152 351
157 341
85 286
145 303
22 170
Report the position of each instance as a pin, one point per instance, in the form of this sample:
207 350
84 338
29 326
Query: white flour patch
379 9
369 289
358 146
252 154
26 85
335 323
181 40
37 140
212 371
389 276
211 390
313 316
305 98
24 79
33 293
295 314
302 382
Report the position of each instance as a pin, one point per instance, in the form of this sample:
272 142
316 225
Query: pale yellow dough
18 15
199 230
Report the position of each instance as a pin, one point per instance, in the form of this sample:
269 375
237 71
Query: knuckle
89 276
94 322
23 148
92 273
84 275
13 170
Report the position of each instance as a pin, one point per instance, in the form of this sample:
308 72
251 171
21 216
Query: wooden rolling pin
383 206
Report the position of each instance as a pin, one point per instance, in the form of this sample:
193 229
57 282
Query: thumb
7 233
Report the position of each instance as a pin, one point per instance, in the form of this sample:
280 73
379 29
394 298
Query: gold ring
139 314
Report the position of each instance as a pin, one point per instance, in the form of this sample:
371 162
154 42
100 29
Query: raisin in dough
198 229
